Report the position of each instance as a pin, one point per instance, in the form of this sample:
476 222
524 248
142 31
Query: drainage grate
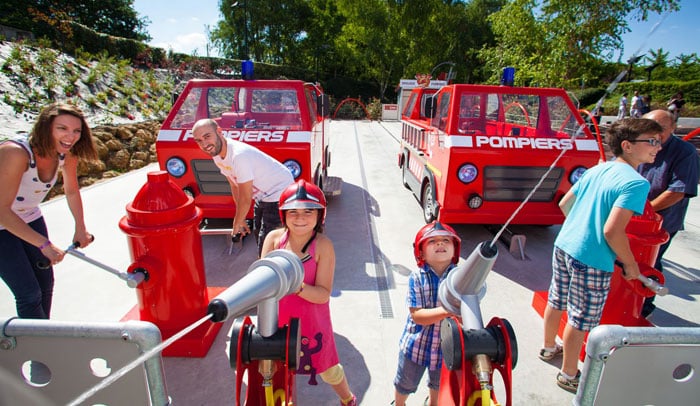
385 308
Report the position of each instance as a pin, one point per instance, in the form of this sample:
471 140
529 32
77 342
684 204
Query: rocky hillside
123 105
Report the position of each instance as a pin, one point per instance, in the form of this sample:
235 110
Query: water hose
481 395
280 395
269 396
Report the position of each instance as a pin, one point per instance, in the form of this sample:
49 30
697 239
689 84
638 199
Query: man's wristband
44 245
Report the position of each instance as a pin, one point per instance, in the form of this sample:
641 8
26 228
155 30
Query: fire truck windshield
241 107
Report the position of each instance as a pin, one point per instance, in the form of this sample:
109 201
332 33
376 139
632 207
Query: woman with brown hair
28 170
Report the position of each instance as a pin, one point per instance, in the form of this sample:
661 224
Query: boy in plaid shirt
436 249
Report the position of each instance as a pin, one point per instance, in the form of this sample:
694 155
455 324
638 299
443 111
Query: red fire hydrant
162 224
625 299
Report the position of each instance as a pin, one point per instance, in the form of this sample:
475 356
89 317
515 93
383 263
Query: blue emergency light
247 69
508 76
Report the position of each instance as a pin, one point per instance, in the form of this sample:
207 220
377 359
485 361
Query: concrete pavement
372 225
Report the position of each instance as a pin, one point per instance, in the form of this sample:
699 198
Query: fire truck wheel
429 205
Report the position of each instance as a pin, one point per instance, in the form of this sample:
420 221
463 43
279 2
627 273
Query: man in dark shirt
674 180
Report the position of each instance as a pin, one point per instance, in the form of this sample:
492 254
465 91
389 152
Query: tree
564 40
520 43
266 31
657 59
113 17
687 67
15 14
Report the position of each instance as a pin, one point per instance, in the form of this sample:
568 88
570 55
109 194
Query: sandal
351 402
548 354
570 385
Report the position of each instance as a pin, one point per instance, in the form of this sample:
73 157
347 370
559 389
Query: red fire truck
283 118
473 153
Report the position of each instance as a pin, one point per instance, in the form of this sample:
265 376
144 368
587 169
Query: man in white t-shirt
252 174
622 110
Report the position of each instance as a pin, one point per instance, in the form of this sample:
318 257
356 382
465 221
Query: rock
114 145
120 148
119 161
124 133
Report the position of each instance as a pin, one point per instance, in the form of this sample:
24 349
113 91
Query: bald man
674 180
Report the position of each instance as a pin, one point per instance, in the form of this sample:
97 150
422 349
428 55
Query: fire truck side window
187 114
440 119
561 118
492 106
521 109
422 104
312 100
410 104
469 106
242 100
470 120
220 100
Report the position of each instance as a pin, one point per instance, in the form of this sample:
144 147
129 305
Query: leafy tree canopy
556 42
113 17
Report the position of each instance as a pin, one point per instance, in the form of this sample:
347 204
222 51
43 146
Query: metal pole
245 29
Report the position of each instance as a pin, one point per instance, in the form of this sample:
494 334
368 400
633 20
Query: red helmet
434 229
303 195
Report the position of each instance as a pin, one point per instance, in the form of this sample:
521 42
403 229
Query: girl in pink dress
303 211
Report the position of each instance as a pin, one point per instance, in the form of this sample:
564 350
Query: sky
180 25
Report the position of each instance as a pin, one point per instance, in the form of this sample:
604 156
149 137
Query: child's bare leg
433 397
342 389
400 399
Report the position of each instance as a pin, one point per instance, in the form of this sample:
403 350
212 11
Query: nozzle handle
655 286
132 279
651 284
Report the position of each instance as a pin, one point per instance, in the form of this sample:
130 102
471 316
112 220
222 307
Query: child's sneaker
549 354
570 385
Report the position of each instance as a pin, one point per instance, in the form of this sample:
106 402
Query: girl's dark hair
629 129
41 139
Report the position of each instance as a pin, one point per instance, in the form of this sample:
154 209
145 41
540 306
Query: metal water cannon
162 225
269 354
471 351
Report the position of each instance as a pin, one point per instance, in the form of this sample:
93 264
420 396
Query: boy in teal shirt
598 208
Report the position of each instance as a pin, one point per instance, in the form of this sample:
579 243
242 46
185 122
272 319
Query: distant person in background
646 104
674 180
636 105
622 110
60 137
598 114
675 105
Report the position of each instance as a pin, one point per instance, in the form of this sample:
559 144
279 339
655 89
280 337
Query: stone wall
121 148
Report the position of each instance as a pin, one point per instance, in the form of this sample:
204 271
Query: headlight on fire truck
467 173
176 167
576 174
294 167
